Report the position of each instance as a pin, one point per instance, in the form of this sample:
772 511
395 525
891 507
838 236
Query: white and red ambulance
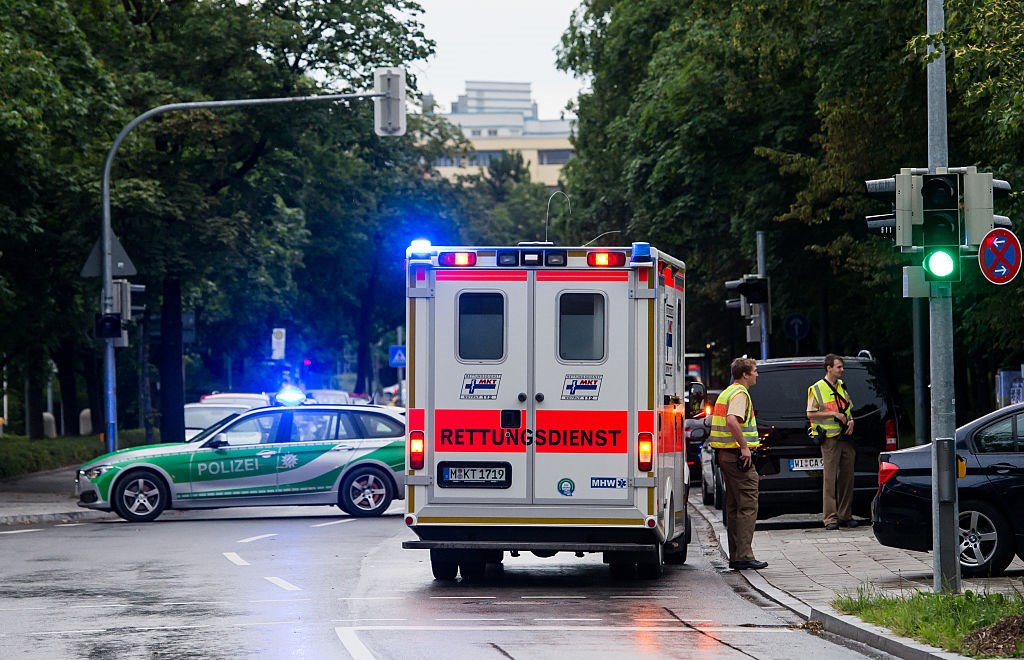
546 392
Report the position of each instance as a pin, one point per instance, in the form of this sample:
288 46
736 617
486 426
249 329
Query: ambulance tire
675 551
140 496
443 565
654 566
365 491
622 570
472 567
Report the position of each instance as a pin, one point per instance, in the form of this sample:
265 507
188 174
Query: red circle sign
999 256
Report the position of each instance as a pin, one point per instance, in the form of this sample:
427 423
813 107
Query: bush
19 455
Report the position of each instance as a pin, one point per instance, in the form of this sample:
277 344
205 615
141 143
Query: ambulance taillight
606 259
457 259
645 451
416 450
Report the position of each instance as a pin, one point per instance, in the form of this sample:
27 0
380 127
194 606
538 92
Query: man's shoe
850 523
832 527
751 564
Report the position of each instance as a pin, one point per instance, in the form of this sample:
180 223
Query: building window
491 132
483 158
475 132
554 156
447 161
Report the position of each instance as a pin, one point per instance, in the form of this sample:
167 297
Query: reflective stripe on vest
827 402
721 437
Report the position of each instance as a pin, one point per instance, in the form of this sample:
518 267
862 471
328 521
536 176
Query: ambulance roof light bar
606 259
420 248
641 253
456 259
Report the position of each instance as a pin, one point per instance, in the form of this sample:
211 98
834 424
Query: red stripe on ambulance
481 275
476 430
576 432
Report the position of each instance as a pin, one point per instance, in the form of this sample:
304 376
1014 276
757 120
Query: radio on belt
545 405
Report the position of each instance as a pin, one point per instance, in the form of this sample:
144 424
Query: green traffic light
942 265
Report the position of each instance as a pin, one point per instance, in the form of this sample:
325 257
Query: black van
788 462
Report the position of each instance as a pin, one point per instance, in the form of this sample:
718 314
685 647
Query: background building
502 116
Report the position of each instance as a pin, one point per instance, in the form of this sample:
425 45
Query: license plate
806 464
474 475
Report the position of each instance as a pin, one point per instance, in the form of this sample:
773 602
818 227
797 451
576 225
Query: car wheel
443 565
707 495
364 492
719 490
140 496
986 541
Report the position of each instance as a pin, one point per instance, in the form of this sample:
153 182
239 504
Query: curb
843 625
63 517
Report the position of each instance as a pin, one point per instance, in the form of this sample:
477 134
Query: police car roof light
606 259
457 259
289 395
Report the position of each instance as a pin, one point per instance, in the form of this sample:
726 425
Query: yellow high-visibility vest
827 402
721 437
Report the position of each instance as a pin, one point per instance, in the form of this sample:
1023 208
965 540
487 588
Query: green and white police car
352 456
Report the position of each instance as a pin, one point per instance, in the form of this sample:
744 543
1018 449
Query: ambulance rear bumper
583 539
528 546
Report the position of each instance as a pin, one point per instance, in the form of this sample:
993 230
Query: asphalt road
272 583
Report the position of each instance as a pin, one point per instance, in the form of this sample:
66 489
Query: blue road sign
396 356
796 326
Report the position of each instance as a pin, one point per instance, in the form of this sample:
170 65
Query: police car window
481 332
581 326
346 427
259 429
996 438
313 426
380 426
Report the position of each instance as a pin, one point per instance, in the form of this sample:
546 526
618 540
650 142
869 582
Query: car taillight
645 451
416 450
886 472
890 435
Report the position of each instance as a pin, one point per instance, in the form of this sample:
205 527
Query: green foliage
940 620
23 456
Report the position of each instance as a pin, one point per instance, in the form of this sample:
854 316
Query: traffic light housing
389 110
108 326
753 289
940 227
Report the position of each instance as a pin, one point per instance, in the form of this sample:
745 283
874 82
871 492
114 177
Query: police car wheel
141 496
364 492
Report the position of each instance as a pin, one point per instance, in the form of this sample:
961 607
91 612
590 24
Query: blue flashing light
289 395
420 247
641 252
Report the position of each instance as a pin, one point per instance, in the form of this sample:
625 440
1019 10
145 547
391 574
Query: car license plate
474 475
806 464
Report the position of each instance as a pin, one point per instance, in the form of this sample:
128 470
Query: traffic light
940 231
389 110
753 289
899 191
108 326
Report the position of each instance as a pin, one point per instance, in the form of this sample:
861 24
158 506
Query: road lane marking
334 522
257 538
647 597
21 531
350 640
235 559
552 597
372 598
284 584
464 597
528 628
364 619
569 619
468 619
69 524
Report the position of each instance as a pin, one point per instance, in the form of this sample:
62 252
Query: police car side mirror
219 440
695 398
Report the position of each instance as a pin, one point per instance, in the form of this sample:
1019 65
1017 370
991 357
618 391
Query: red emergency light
457 258
645 451
416 450
606 259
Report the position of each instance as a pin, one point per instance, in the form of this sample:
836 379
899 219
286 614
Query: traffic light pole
762 270
945 528
107 304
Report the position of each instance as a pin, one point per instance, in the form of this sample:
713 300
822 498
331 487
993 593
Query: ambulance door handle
539 397
522 397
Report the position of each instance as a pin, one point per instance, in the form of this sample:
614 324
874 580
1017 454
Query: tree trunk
94 390
172 379
36 369
64 358
145 398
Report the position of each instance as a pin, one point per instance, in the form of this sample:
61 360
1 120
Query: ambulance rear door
582 368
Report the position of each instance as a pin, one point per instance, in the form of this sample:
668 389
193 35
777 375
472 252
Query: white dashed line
351 642
284 584
334 522
646 597
467 619
21 531
372 598
566 619
69 524
551 597
257 538
235 559
463 597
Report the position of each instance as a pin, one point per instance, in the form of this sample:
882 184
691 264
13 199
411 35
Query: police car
351 456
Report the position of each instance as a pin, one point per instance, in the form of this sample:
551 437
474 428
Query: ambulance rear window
581 326
481 326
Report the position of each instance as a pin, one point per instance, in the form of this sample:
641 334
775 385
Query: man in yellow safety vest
733 435
829 408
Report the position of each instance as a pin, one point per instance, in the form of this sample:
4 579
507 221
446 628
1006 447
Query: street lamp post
391 88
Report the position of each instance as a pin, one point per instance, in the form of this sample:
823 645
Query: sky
500 40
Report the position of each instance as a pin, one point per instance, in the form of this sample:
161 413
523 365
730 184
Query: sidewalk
807 565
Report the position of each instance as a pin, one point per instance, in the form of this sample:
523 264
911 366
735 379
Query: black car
790 465
990 496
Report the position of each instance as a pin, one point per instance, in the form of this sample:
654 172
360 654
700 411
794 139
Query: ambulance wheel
140 496
364 492
675 551
472 568
622 570
443 565
654 566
